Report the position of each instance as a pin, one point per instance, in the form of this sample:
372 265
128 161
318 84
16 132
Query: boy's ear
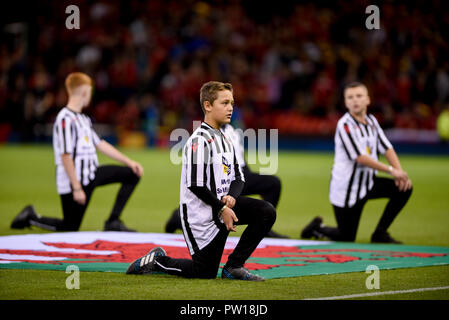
207 106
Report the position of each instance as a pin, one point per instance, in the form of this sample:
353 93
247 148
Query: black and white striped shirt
73 134
209 161
350 181
237 142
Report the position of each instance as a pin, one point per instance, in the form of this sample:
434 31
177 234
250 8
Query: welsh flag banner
274 258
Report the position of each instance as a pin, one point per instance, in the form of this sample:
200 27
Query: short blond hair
209 91
354 84
75 80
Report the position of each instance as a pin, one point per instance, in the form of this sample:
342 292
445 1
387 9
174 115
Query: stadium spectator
296 56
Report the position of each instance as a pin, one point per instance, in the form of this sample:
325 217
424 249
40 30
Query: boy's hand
403 184
229 218
79 196
399 174
136 168
401 180
229 201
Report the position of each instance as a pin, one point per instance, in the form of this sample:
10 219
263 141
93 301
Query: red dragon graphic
265 258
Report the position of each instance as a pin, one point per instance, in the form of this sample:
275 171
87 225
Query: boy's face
357 99
86 94
221 109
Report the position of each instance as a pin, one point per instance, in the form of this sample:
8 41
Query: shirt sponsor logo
226 166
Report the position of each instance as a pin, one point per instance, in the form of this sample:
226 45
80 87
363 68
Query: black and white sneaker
116 225
383 237
174 223
311 230
22 220
239 274
147 263
274 234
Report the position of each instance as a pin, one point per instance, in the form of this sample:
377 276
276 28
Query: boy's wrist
220 213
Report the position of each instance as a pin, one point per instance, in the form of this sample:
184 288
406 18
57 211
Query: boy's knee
409 192
131 176
206 273
70 227
268 212
404 195
347 237
211 275
276 183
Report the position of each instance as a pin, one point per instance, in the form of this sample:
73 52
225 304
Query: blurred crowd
287 63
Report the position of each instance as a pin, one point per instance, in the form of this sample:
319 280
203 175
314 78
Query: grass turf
28 176
33 284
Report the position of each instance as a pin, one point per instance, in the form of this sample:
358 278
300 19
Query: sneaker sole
137 265
307 232
22 220
226 275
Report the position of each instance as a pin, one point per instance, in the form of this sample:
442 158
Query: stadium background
287 63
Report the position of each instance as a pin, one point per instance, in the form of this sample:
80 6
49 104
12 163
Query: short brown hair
209 91
75 80
354 84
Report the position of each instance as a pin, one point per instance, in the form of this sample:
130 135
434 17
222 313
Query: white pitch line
371 294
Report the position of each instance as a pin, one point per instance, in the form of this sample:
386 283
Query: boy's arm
78 193
393 159
377 165
236 187
197 156
401 178
218 207
205 195
113 153
386 148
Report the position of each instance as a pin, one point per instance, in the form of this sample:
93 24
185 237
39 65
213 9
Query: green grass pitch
27 176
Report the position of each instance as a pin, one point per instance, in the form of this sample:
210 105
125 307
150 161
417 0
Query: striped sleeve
198 154
95 138
65 131
383 144
238 173
348 137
